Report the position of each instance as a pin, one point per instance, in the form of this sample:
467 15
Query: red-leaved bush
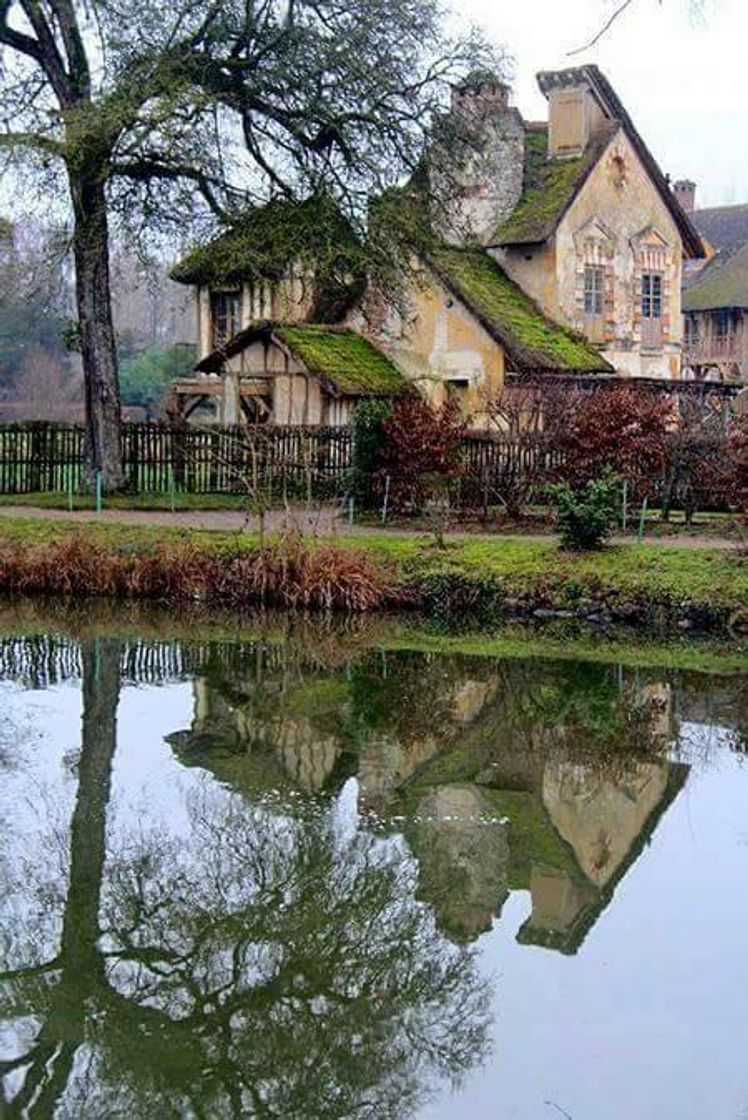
420 453
624 430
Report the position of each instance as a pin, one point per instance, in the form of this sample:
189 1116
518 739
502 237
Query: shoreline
475 582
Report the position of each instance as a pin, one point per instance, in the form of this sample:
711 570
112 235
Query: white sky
683 76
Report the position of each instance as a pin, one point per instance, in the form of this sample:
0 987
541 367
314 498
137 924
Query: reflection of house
560 253
715 300
548 780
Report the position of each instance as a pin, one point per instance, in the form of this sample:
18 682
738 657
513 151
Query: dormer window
225 309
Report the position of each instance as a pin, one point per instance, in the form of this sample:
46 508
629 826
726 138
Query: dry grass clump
298 573
294 572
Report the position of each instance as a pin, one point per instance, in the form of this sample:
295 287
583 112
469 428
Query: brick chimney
685 191
478 159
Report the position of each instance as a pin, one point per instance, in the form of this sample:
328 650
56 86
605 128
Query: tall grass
293 572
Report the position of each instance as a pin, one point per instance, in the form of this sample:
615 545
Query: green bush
585 515
460 599
368 438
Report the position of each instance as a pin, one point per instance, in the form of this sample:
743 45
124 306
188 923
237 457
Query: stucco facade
619 224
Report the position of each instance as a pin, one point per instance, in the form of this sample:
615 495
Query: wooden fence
290 461
298 463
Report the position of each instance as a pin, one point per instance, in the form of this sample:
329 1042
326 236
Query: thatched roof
533 343
347 363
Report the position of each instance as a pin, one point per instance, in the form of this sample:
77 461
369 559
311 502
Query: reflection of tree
57 991
262 965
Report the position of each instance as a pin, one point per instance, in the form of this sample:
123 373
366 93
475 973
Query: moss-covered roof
345 361
265 241
533 343
550 186
343 358
723 283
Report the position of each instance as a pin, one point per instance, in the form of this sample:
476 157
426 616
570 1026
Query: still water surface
298 877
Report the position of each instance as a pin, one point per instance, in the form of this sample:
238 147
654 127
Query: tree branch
49 57
603 30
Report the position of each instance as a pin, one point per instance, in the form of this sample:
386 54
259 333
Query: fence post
386 500
642 519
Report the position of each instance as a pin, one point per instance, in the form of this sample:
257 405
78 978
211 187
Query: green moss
532 838
550 185
344 358
532 341
264 242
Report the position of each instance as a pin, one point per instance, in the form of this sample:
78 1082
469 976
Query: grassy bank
478 580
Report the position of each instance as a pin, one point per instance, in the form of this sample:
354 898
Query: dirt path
324 521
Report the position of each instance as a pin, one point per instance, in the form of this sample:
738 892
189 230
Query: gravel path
325 521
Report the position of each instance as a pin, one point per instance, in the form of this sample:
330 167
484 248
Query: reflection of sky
648 1022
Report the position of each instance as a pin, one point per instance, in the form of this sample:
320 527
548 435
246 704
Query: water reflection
296 946
501 775
265 965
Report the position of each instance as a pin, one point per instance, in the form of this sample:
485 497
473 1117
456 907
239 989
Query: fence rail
296 463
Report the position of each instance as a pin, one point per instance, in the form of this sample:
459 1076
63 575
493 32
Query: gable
552 186
617 197
346 362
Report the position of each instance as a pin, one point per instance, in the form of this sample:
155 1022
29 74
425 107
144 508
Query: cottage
560 254
290 373
715 297
578 214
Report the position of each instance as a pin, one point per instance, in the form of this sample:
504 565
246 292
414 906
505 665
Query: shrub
368 440
739 458
293 572
625 430
459 598
298 573
585 515
421 452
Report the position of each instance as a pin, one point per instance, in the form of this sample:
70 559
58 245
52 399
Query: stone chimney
478 160
574 113
685 191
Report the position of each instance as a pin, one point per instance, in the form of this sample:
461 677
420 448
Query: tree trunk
98 347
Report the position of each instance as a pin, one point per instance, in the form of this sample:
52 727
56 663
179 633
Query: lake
298 870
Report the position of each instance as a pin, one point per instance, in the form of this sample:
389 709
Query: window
651 295
225 308
721 321
594 290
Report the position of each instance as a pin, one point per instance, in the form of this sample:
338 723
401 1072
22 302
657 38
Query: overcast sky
683 76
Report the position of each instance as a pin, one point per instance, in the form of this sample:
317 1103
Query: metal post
98 491
625 510
70 490
642 520
385 503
